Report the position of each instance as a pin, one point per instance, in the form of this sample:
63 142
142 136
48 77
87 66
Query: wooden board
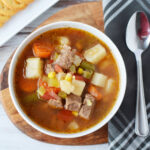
89 13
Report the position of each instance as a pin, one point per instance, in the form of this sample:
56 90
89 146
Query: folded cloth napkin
121 127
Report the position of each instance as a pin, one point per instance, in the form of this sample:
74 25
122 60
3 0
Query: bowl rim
115 52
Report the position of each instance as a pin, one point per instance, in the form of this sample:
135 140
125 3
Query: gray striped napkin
121 127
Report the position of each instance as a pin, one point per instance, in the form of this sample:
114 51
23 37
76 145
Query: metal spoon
137 40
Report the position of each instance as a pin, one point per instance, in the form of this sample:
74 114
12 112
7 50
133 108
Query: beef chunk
73 102
48 67
66 57
87 107
56 103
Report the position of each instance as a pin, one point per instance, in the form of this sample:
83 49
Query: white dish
97 33
23 18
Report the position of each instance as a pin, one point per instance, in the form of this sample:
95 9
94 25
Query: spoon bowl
138 32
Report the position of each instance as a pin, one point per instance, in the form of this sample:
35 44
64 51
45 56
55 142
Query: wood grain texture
89 13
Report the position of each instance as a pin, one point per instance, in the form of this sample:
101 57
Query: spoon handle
141 120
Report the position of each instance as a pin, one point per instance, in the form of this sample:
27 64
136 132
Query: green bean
86 65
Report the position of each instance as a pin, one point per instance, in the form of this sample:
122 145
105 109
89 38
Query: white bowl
114 50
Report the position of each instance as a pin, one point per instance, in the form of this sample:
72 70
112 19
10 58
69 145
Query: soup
66 80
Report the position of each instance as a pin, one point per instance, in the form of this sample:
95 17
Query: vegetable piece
87 74
80 71
56 55
51 93
110 85
41 90
27 85
73 126
30 98
73 69
65 115
61 76
53 89
66 86
52 75
94 92
95 54
58 68
75 113
78 87
77 60
42 50
99 79
53 82
79 46
105 64
78 77
47 96
62 94
63 40
49 84
68 77
87 65
42 83
34 68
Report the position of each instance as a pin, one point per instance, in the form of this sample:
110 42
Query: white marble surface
10 137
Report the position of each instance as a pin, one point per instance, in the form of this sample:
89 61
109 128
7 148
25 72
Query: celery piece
86 65
73 69
62 94
53 82
87 74
30 98
41 91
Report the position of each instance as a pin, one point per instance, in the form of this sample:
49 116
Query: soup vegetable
66 80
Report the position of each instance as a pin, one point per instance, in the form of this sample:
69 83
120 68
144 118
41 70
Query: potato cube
110 85
73 125
78 87
95 54
63 40
77 60
34 67
66 86
99 79
61 76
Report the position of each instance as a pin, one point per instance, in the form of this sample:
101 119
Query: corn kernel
52 75
68 77
75 113
80 71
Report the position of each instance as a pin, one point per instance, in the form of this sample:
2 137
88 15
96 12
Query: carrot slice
28 85
42 50
58 68
78 77
53 89
94 91
65 115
